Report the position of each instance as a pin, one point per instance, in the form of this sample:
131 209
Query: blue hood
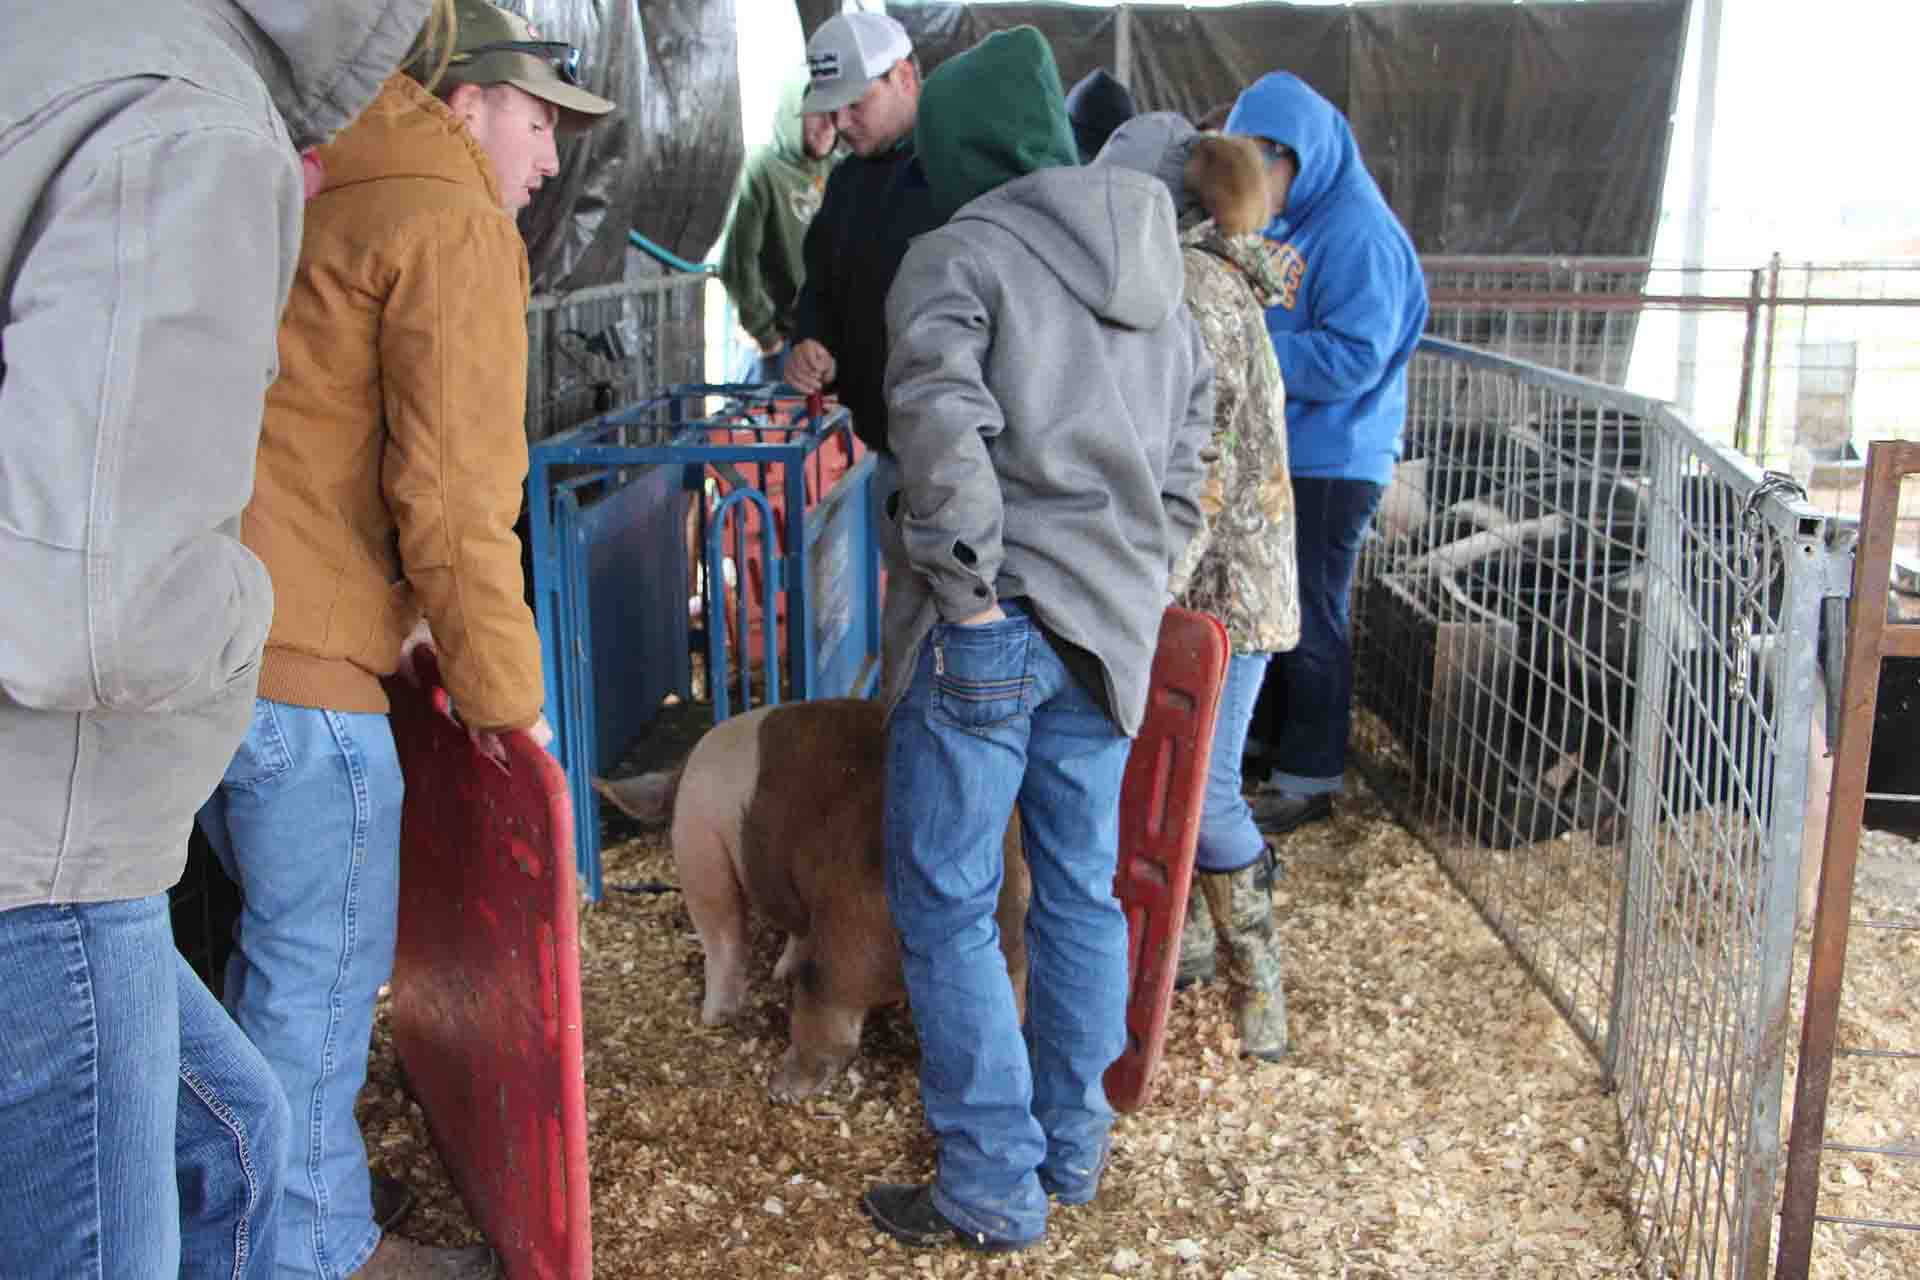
1282 108
1353 300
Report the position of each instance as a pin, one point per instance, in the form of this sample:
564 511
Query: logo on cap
824 66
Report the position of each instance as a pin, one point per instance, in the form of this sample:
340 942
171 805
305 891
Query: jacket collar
1246 254
408 132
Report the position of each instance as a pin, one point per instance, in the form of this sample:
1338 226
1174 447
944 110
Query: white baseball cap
846 54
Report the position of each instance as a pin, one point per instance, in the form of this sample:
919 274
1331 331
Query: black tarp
1493 128
814 12
667 164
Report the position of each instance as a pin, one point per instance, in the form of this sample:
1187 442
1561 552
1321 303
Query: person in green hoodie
1048 397
780 191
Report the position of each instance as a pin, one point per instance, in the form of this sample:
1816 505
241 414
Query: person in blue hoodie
1352 308
1049 397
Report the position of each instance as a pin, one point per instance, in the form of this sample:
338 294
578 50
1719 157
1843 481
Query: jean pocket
982 675
263 754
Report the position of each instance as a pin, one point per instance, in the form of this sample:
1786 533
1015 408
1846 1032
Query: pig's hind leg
718 906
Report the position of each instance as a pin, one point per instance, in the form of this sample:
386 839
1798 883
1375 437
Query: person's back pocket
982 675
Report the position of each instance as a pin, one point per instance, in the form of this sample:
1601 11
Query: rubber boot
1242 908
1197 944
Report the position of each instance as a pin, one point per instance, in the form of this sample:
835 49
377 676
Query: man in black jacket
863 72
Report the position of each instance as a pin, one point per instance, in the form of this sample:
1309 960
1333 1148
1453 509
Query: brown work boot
398 1259
1241 903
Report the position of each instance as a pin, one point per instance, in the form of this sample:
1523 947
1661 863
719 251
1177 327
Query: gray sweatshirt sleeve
1186 467
141 338
940 415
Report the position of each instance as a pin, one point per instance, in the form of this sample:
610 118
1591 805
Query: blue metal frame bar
717 661
598 459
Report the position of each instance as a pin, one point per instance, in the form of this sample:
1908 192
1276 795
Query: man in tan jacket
389 478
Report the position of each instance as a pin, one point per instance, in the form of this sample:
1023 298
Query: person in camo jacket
1242 569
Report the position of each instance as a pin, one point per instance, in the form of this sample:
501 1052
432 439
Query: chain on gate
1750 614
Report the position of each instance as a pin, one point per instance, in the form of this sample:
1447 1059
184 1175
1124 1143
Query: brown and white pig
779 808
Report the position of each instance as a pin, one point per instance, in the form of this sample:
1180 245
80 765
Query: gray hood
326 59
1107 232
1158 143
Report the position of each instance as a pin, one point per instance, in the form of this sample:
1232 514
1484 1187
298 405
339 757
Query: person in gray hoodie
150 212
1048 397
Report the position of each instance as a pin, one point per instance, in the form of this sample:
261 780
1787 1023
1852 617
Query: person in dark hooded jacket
865 75
1048 398
1097 106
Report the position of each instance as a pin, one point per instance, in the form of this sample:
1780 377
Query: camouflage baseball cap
493 46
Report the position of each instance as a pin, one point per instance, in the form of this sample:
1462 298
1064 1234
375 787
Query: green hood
992 114
787 142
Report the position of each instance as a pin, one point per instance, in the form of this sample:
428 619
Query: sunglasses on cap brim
565 58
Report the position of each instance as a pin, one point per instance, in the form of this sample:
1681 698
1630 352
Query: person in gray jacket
150 211
1048 397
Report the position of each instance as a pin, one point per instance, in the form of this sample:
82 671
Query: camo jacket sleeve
1246 574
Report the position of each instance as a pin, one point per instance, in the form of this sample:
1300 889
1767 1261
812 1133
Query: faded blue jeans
1228 838
307 822
140 1133
992 717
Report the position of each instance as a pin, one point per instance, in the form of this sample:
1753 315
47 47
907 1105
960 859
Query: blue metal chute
627 517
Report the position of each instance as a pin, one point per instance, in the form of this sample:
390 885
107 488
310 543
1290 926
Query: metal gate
1592 633
625 511
1885 1140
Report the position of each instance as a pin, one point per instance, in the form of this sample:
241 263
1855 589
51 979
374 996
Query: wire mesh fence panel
1839 365
1575 314
594 350
1793 364
1592 632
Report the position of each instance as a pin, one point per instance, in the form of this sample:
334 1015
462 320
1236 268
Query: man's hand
811 367
992 614
421 634
541 732
490 745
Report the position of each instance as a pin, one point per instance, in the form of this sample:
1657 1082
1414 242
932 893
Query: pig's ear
645 798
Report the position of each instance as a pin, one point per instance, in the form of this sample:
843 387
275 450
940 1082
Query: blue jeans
991 717
140 1134
1313 683
307 822
1228 838
754 369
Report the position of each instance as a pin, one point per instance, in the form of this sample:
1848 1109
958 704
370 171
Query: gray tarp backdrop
1493 128
667 163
